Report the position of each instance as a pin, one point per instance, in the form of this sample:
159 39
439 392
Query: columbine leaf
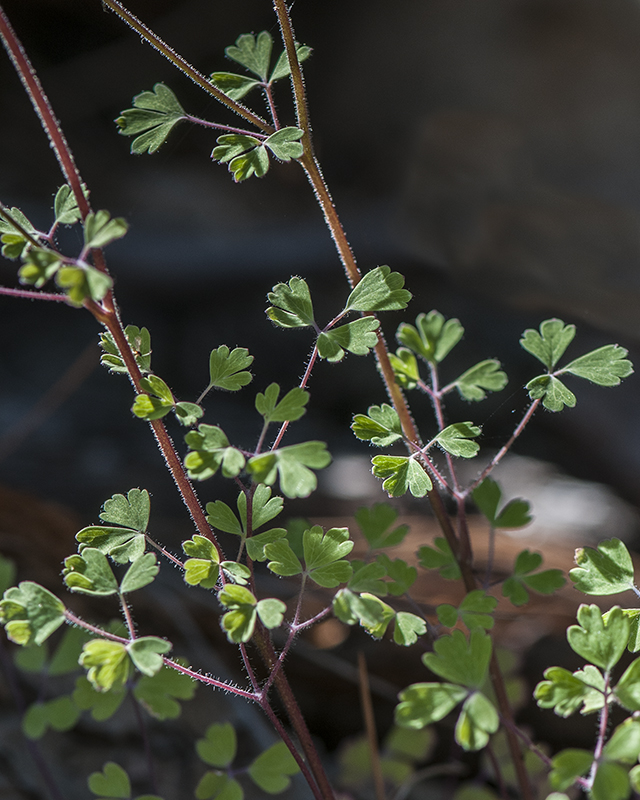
188 414
405 368
89 573
65 206
131 511
402 575
515 514
553 393
441 558
291 305
151 120
549 345
30 613
253 162
102 705
401 473
324 554
598 641
545 582
432 338
146 653
375 523
100 229
282 68
239 622
605 366
567 766
217 786
142 572
455 439
158 401
60 714
256 543
65 658
566 692
113 781
219 746
366 609
611 782
140 341
290 408
407 628
222 517
227 370
253 53
478 719
209 451
283 561
381 426
460 660
234 86
271 611
367 578
231 145
106 663
424 703
264 508
270 771
285 143
293 466
484 377
358 337
80 284
159 693
607 570
122 544
474 611
14 240
624 744
39 266
379 290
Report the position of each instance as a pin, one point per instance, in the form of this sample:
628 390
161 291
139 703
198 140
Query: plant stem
226 128
370 727
27 295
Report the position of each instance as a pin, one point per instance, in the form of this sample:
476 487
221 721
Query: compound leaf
480 379
402 575
441 558
283 561
407 628
256 543
15 242
285 143
233 85
515 514
106 663
263 508
232 145
324 554
89 573
401 473
375 523
159 693
253 162
60 714
459 660
30 613
65 206
455 439
567 766
424 703
379 290
270 771
209 451
405 368
227 370
566 692
607 570
605 366
553 393
146 653
477 721
381 426
140 341
100 229
131 511
368 578
290 408
151 120
474 611
293 465
598 641
282 68
291 305
433 338
253 53
219 746
549 344
239 622
358 337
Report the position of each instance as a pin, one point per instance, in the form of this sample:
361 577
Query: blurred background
488 151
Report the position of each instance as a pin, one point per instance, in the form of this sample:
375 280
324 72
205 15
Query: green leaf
291 305
32 658
515 514
253 53
610 783
239 622
131 511
402 575
604 366
218 786
30 613
270 771
324 554
598 642
220 516
455 439
227 370
65 657
146 653
432 339
407 628
290 408
39 266
89 573
566 692
256 544
474 611
358 337
210 450
65 206
367 609
424 703
106 663
553 393
159 694
100 229
158 401
381 426
83 283
234 86
459 660
188 414
367 578
140 341
567 766
628 688
607 570
282 559
624 744
264 508
546 582
13 239
113 781
235 572
203 568
477 721
285 143
482 378
549 345
253 162
232 145
401 473
102 705
142 572
60 714
219 746
410 745
282 68
375 523
405 368
151 120
271 611
293 465
633 615
122 544
379 290
441 558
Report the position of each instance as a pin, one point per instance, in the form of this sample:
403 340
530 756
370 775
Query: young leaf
407 628
151 120
158 401
159 693
100 229
405 368
65 206
624 744
293 465
253 162
220 516
217 786
290 408
140 341
106 663
270 771
367 609
282 68
515 514
379 290
291 305
122 544
565 692
402 575
607 570
271 611
283 561
210 450
264 508
460 660
113 781
478 719
441 558
239 622
358 337
13 239
432 338
484 377
80 284
39 266
455 439
424 703
234 86
203 568
401 473
146 653
253 53
381 426
375 523
30 613
232 145
188 414
553 393
599 642
324 554
285 143
227 370
142 572
219 746
89 573
549 345
256 543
